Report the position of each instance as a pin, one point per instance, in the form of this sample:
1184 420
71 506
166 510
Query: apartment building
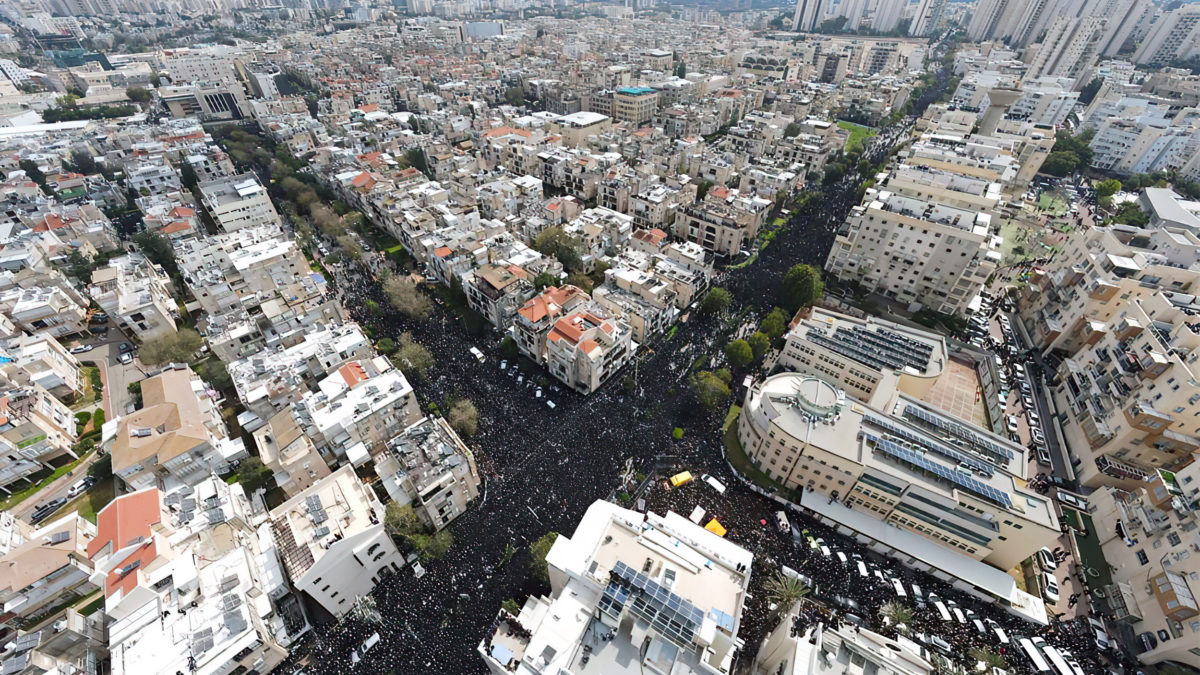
668 591
333 543
646 303
271 380
47 310
237 202
497 292
871 359
177 437
289 453
1150 543
43 361
49 567
1117 309
917 249
576 128
537 316
37 423
721 223
429 468
357 409
635 105
905 464
584 349
834 649
1174 37
187 585
135 293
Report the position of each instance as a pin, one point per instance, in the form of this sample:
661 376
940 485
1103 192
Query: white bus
941 608
1057 661
1037 662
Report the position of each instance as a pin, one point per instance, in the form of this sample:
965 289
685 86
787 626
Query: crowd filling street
544 465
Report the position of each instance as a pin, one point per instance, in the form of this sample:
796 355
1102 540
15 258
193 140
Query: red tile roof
125 519
353 373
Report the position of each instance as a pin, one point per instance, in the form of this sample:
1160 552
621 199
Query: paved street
544 467
116 378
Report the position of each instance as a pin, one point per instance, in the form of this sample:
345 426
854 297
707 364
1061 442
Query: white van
714 483
477 354
862 569
781 521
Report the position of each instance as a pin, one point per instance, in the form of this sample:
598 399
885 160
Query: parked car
125 358
1045 558
80 349
45 510
1049 588
125 347
80 487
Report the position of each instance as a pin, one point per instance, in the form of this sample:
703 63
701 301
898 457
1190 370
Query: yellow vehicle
681 479
715 527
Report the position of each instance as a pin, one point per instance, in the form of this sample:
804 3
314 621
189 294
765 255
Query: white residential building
237 202
136 294
333 542
429 467
669 592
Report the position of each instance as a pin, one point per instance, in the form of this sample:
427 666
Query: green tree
35 174
549 240
188 177
544 279
989 657
432 546
252 474
538 551
739 353
412 358
463 418
1059 164
515 96
896 615
775 324
416 158
802 287
509 348
1107 188
784 591
792 130
177 347
760 344
681 70
407 298
702 189
1129 213
137 94
711 388
158 250
401 521
717 300
386 346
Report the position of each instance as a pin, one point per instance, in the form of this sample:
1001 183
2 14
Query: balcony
1118 469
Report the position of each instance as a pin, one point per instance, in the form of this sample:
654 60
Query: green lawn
45 479
89 503
858 134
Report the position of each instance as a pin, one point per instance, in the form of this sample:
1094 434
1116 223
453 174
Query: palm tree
897 615
991 658
784 591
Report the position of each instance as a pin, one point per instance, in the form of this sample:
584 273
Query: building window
1142 558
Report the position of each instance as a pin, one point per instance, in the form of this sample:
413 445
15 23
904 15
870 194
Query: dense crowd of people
544 466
